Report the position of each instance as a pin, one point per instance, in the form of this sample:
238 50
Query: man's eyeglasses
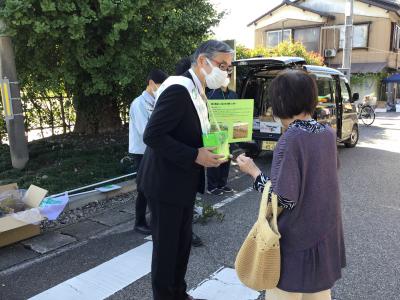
223 66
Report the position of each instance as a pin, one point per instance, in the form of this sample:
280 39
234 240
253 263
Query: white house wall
288 12
338 6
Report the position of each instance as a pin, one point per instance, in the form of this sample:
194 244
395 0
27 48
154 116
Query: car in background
335 100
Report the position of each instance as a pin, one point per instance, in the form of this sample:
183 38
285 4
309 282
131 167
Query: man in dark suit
181 68
172 169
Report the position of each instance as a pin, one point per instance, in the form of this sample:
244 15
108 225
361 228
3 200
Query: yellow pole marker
2 96
7 100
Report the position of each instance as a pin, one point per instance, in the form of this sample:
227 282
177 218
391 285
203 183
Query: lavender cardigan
304 170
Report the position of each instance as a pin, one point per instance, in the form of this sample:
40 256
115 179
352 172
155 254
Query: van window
257 88
325 91
345 91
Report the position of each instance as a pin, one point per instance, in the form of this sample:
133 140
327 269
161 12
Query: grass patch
208 212
65 162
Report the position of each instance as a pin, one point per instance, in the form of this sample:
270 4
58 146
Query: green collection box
218 139
231 121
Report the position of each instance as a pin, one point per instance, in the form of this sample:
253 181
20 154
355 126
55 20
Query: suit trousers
218 177
172 237
141 202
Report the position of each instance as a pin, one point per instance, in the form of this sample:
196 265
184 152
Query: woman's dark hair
292 93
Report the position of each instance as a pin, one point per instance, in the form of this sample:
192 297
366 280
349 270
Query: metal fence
46 116
50 113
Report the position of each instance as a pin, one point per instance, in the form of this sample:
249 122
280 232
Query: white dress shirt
139 114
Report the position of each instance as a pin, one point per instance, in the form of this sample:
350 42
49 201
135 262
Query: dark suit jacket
168 171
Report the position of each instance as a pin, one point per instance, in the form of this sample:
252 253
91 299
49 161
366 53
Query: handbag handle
264 202
262 215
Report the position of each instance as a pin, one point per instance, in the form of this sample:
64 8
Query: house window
309 37
360 36
275 37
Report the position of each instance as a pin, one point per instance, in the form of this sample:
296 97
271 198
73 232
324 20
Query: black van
335 105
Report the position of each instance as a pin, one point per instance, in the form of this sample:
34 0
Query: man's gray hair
210 49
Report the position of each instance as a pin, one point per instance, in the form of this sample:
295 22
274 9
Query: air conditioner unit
330 52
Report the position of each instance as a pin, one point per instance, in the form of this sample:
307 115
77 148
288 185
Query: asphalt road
370 186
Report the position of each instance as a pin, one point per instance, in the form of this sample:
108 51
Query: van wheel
353 140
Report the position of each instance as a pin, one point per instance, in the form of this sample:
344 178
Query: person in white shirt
139 114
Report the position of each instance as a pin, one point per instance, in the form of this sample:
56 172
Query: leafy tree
100 51
285 48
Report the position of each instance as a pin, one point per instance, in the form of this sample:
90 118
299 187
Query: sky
239 14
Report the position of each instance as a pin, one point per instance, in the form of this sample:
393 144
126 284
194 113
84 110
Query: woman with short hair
305 179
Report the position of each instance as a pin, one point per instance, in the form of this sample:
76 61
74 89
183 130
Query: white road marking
233 198
223 284
105 279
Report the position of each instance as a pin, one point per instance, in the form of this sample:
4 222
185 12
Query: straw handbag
258 263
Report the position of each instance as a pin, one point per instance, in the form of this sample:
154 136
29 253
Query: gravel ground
93 209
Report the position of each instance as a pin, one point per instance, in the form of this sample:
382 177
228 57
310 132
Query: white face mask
216 78
154 92
226 83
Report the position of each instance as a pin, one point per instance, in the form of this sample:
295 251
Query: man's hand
208 159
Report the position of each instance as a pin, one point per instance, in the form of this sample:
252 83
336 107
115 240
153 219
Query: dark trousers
218 177
141 201
172 237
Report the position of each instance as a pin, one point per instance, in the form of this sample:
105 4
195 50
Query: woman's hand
247 165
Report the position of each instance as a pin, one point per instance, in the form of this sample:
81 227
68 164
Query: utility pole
348 40
15 121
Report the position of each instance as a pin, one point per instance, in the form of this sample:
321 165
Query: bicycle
366 113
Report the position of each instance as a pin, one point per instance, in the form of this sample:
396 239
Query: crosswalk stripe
223 284
104 280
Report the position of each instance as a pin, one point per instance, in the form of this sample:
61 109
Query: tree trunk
96 114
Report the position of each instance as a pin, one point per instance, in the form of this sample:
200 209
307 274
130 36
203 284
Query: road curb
128 186
79 201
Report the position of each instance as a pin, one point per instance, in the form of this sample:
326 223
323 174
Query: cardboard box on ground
24 224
